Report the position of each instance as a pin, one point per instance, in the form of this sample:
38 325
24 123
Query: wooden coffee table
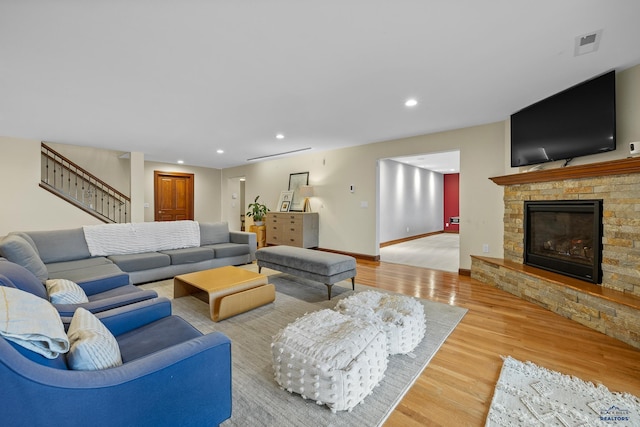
230 290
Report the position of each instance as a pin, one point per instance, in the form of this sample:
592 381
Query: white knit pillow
63 291
92 345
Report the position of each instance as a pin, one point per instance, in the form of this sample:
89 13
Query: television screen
575 122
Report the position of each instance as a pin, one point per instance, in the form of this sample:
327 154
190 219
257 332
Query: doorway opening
418 210
235 213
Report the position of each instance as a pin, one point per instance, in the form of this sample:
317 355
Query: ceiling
182 79
442 162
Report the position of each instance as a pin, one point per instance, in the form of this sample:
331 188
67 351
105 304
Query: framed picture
284 202
297 180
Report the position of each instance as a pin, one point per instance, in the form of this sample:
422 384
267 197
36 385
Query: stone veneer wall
621 222
612 318
614 307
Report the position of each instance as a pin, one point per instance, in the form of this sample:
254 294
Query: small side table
261 234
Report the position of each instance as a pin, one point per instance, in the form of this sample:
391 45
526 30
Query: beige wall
206 188
627 109
346 225
110 166
26 206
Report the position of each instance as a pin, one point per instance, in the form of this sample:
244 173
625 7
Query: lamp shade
306 191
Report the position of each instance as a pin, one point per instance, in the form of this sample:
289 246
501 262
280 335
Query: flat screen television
578 121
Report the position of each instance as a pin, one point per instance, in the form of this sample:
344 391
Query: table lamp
306 191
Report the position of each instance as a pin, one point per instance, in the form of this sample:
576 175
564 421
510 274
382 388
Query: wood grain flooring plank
457 386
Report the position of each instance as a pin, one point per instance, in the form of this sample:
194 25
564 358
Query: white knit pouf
401 317
331 358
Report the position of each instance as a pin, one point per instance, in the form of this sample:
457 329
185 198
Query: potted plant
258 211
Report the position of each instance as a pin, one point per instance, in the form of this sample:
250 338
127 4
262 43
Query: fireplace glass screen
565 237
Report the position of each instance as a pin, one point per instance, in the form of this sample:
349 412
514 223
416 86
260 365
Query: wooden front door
173 196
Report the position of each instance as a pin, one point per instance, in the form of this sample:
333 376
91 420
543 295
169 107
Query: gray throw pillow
60 245
214 233
18 250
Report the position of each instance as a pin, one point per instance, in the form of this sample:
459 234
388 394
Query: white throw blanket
135 238
32 322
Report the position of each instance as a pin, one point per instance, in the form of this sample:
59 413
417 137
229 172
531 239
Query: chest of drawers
293 229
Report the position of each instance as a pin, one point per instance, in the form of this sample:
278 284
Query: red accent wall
451 201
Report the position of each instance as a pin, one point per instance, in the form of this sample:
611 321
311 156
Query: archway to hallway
418 210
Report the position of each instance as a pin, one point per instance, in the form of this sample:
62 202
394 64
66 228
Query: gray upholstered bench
325 267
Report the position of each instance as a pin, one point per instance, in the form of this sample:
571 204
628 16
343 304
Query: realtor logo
614 414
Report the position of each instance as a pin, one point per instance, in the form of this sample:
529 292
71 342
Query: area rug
529 395
257 398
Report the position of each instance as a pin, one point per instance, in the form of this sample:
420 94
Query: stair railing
79 187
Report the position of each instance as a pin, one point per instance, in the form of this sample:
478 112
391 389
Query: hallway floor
440 252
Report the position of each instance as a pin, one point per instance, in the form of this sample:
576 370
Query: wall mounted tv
575 122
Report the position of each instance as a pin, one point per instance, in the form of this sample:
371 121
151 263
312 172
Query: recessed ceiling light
411 102
280 136
219 151
180 162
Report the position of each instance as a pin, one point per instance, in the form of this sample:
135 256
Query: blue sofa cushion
224 250
117 291
103 282
189 255
212 233
59 362
144 261
17 249
60 245
155 336
108 300
16 276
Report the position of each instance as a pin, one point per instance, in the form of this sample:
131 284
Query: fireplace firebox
564 236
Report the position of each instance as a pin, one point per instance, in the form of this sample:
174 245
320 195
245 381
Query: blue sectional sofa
66 254
171 375
102 295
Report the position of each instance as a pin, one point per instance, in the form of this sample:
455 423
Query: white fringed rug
529 395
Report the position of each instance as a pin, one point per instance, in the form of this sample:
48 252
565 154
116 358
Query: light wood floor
457 386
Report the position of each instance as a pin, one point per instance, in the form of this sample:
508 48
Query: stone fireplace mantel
617 184
614 167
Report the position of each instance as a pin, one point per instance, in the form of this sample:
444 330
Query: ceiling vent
587 43
278 154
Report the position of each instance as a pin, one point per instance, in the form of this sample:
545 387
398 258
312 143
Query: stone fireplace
564 236
612 308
